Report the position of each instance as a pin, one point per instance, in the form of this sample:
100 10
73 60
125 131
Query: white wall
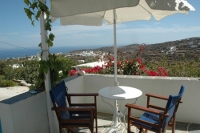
188 111
75 84
25 116
29 115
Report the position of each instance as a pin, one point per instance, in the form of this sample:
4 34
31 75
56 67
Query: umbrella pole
115 49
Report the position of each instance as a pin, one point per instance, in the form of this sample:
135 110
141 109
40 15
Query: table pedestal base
117 123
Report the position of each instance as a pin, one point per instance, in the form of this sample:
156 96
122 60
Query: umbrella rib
145 9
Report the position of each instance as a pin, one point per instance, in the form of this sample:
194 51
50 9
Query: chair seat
148 117
80 115
75 115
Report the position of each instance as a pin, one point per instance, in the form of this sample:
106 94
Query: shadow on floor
105 122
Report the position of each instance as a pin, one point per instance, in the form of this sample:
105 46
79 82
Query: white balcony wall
188 111
76 85
28 115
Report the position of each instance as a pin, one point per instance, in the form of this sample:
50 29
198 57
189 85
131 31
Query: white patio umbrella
76 13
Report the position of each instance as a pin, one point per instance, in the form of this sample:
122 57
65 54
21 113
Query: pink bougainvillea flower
152 73
119 63
72 72
139 61
162 71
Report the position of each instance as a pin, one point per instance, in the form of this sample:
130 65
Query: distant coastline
15 53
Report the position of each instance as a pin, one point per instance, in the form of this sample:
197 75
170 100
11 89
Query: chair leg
163 131
96 123
60 129
129 125
70 130
92 129
141 130
173 125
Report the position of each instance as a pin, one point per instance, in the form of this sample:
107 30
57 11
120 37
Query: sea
15 53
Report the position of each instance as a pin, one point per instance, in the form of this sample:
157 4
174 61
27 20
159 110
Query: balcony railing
28 112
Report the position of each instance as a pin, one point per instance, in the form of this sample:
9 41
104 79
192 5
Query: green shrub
7 83
174 68
9 73
27 71
2 77
32 87
59 67
2 66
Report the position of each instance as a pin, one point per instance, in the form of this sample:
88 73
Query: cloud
150 30
31 36
122 29
127 33
71 30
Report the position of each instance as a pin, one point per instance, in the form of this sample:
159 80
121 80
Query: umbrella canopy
82 13
93 12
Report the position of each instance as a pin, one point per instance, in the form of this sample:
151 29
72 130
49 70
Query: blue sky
16 29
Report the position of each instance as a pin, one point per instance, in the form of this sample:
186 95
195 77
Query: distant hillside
176 50
180 49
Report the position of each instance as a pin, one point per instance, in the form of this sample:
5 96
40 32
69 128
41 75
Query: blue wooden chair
155 118
72 115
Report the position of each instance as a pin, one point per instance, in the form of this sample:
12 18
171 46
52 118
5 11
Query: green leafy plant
59 68
35 9
5 82
27 70
33 12
8 72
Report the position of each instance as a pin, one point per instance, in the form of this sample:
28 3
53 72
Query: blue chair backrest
57 95
171 104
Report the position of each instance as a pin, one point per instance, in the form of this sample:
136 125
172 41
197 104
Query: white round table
119 93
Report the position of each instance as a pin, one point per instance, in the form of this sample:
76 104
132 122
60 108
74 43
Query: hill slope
180 49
